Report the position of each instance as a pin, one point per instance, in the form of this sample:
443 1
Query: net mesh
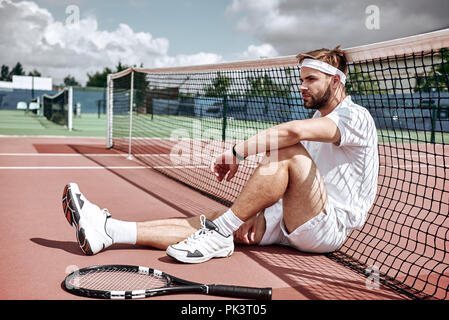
179 119
56 108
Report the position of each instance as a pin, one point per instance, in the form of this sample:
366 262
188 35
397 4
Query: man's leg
260 192
306 195
160 234
296 180
96 230
293 176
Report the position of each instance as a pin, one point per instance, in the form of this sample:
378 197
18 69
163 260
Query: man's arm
275 138
290 133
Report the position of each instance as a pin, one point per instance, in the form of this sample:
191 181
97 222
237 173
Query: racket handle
240 292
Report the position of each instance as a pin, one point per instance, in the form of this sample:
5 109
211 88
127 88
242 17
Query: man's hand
252 231
225 164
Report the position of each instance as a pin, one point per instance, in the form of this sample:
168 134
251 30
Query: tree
121 67
219 86
265 86
70 81
437 78
100 79
34 73
359 82
17 70
5 76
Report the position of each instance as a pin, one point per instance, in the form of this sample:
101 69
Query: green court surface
145 126
21 123
404 136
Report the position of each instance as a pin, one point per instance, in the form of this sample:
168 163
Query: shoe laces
106 212
200 232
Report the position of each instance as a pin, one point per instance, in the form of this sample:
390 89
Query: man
316 184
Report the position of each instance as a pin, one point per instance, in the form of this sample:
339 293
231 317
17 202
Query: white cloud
253 5
292 26
30 34
33 37
256 16
187 60
265 50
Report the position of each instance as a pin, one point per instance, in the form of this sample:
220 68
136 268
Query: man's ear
335 81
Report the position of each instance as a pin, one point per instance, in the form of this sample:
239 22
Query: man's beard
317 104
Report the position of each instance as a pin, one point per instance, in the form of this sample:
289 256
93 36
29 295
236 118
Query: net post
109 112
42 105
131 102
39 111
70 109
225 116
434 114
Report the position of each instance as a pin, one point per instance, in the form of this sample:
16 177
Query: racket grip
240 292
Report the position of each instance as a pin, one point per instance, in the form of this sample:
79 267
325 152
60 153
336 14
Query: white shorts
323 233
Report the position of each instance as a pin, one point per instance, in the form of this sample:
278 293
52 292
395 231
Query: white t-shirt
350 169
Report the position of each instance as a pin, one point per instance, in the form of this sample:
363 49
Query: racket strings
118 280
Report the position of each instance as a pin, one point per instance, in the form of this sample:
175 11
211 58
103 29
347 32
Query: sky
77 37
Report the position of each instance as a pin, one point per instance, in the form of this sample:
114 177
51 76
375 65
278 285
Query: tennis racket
133 282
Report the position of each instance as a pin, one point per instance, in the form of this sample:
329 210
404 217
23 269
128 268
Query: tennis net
177 119
58 108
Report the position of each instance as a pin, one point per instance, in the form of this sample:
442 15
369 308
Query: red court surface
39 247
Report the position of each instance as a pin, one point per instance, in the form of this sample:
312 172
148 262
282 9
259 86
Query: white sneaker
203 245
87 218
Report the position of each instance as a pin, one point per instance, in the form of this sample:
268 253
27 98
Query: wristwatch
239 157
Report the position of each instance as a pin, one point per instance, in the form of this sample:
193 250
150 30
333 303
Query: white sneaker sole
180 255
72 211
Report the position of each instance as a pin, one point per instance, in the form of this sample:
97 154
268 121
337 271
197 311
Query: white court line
122 155
50 137
77 154
101 168
87 155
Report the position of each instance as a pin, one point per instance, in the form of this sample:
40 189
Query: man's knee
277 160
289 154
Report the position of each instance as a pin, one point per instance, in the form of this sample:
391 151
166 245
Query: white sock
228 222
121 231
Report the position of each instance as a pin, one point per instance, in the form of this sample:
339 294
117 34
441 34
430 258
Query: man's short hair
335 57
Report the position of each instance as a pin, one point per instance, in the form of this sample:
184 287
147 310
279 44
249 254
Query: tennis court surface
165 125
42 248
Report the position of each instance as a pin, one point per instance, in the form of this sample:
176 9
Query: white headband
323 67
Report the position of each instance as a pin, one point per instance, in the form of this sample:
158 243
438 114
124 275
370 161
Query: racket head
116 282
132 282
